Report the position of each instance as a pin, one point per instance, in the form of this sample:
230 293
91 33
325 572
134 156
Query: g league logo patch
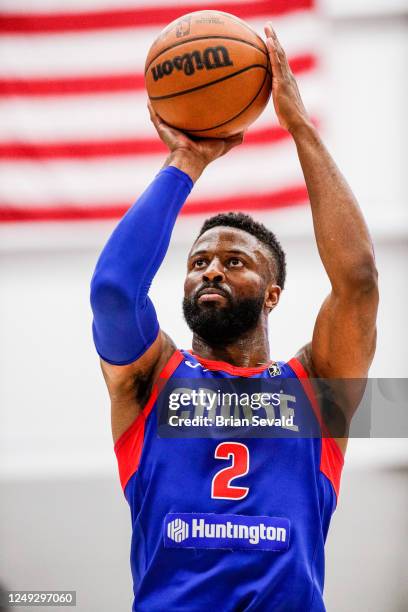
183 27
274 370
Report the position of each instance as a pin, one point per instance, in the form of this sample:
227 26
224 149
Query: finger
268 29
171 134
270 33
274 49
274 58
151 109
233 141
236 139
279 49
159 123
165 132
154 117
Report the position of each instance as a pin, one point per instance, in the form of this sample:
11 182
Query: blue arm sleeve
125 322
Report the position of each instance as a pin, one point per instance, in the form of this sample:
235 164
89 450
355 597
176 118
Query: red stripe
67 212
105 83
42 23
257 201
33 151
80 150
71 85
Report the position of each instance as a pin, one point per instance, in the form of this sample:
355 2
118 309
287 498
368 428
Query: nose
214 272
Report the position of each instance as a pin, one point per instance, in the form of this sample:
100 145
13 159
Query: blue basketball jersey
236 523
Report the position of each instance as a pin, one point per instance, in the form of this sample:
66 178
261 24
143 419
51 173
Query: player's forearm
342 235
125 322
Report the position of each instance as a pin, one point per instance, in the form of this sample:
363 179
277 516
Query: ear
272 295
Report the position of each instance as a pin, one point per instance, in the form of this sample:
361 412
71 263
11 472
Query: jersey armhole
332 458
129 446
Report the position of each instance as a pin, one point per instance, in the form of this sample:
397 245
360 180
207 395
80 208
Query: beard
222 325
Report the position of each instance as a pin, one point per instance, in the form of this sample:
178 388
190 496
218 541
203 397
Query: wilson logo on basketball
210 58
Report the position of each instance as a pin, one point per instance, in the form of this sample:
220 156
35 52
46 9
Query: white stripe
121 180
100 117
74 118
104 51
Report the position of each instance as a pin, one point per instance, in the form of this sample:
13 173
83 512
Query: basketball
208 74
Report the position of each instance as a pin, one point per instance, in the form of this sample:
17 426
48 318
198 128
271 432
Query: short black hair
249 225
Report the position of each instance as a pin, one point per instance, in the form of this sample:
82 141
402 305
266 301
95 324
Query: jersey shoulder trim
332 459
129 446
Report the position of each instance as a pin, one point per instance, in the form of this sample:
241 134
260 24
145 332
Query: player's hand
288 103
197 153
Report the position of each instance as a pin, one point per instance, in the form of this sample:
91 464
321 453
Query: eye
199 263
234 262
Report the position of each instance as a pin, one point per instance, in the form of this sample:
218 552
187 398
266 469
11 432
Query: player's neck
248 351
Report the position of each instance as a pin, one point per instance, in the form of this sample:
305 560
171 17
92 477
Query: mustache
205 286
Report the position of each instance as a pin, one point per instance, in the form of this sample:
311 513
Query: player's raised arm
344 336
126 332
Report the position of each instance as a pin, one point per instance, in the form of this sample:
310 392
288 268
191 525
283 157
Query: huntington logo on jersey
228 531
177 530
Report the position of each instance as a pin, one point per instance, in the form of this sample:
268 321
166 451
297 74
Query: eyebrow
228 251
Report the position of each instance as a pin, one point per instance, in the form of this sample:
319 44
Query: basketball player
239 525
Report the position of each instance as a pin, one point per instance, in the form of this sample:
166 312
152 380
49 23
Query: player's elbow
109 296
362 279
366 277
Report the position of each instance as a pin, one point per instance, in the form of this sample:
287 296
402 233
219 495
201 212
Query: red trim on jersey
303 376
331 462
223 366
129 446
332 459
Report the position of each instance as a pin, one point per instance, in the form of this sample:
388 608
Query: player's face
226 287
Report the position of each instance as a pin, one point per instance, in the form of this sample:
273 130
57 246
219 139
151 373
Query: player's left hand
288 103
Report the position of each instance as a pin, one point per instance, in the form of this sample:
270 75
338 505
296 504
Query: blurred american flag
75 138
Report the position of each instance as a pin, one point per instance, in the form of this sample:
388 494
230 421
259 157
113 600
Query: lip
210 295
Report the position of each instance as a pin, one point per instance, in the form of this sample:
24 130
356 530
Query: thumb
234 140
154 117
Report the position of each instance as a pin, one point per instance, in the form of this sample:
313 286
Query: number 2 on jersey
221 487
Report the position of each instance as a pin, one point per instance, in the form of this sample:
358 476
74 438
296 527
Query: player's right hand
197 153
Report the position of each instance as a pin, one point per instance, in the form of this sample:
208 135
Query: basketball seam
184 42
231 118
198 87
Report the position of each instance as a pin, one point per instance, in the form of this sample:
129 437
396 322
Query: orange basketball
208 73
